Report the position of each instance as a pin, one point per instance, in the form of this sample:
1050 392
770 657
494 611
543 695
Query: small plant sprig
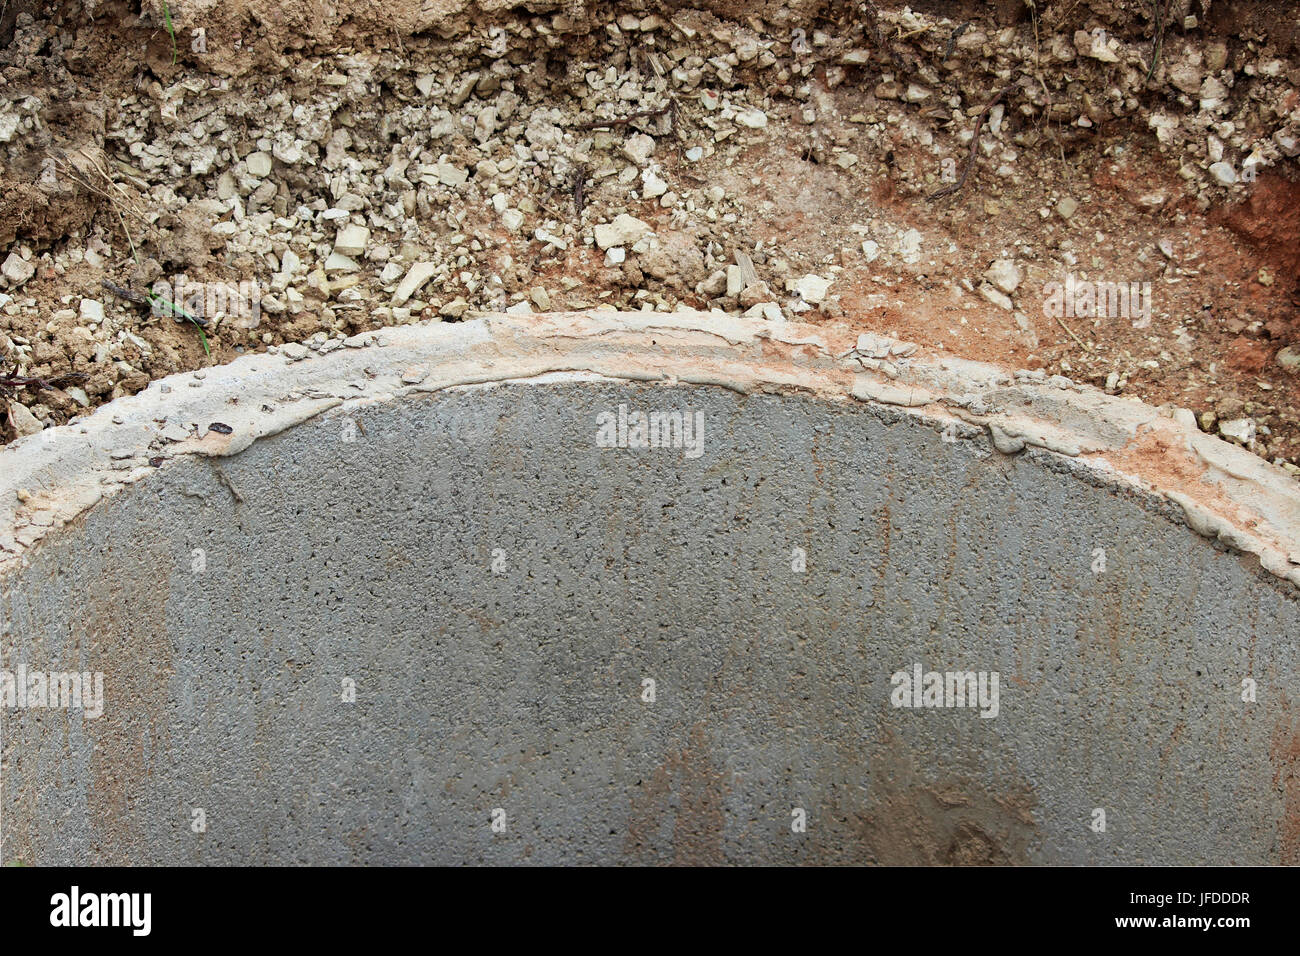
160 303
171 30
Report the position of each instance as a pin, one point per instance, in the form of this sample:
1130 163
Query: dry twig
974 145
624 120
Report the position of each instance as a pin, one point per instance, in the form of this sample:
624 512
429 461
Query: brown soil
842 159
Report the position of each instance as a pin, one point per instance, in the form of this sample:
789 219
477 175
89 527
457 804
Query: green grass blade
167 19
152 297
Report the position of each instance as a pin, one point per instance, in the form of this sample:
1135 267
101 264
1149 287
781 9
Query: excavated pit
397 604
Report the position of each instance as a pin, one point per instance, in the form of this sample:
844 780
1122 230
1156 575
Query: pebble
1223 173
258 165
639 147
810 288
1287 142
450 175
351 241
715 285
91 310
998 298
415 278
24 422
1004 274
625 230
455 308
337 262
735 281
652 186
1239 430
17 269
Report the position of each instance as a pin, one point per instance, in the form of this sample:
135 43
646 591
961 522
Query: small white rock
24 421
811 288
91 310
639 148
625 230
1004 274
351 241
341 263
258 164
652 186
735 280
1223 173
994 296
450 175
416 277
1239 430
17 269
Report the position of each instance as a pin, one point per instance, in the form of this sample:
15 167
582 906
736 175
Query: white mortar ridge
1225 492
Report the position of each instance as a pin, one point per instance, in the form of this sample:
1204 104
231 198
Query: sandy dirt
777 159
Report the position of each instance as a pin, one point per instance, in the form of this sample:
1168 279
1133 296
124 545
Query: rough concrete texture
427 515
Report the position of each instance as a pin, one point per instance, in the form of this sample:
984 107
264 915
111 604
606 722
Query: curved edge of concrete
1225 492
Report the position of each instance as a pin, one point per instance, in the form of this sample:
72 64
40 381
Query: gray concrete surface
498 588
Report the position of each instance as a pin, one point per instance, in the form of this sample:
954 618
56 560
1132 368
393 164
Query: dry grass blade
89 168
